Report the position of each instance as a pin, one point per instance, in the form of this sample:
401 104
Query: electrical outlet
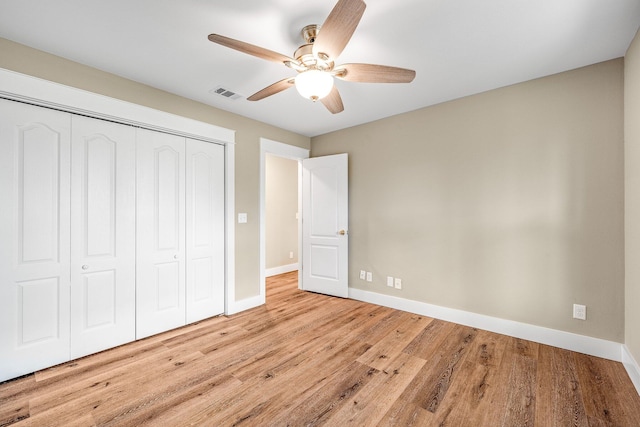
369 276
390 281
362 274
397 283
580 311
291 255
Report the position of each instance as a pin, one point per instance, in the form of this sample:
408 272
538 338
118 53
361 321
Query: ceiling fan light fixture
314 84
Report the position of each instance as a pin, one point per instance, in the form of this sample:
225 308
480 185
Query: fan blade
250 49
273 89
333 101
370 73
338 28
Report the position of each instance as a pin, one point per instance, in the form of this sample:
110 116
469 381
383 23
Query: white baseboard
566 340
245 304
280 270
632 367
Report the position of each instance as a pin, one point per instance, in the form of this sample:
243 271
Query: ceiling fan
315 60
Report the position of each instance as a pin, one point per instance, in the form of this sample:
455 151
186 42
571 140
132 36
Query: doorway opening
280 227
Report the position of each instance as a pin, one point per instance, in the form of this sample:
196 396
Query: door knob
85 267
175 257
342 232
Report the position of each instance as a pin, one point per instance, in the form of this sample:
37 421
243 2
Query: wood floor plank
339 390
99 362
559 399
430 386
185 413
89 394
371 403
174 408
603 405
307 346
309 359
382 354
469 402
407 414
14 411
382 327
427 342
520 361
292 379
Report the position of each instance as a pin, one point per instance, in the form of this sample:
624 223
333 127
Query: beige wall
25 60
632 195
508 203
281 206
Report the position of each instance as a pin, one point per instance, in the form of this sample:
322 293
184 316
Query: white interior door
160 233
205 230
34 238
325 218
102 235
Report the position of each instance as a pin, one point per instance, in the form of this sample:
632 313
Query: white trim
632 367
567 340
24 88
274 271
300 251
230 229
245 304
279 149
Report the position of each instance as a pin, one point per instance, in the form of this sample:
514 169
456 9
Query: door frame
32 90
287 151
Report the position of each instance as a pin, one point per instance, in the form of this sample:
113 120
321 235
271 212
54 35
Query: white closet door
102 235
34 238
205 230
160 242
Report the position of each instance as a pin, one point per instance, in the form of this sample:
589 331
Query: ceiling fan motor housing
309 33
304 54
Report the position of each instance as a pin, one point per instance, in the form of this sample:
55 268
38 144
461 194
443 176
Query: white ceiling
457 47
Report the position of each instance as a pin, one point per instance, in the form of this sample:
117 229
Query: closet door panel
102 235
34 238
160 244
205 230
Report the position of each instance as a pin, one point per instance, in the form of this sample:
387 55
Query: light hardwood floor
307 359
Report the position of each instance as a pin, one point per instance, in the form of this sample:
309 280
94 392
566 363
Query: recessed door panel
38 184
168 285
205 230
102 235
160 232
324 262
202 289
324 188
100 300
202 196
38 311
168 179
100 190
34 238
